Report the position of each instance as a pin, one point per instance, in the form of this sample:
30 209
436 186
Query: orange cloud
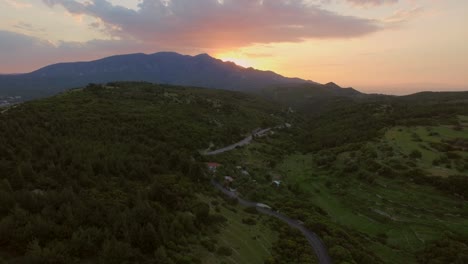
18 4
226 24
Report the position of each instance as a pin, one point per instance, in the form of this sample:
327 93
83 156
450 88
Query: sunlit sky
385 46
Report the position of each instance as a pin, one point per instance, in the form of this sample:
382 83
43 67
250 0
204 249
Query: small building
228 181
213 166
263 206
277 183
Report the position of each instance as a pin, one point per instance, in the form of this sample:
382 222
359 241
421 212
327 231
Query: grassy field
396 217
249 243
422 139
408 215
463 120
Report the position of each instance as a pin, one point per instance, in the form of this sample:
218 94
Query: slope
381 180
112 174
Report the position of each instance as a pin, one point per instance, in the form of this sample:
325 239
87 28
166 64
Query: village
233 177
9 100
230 181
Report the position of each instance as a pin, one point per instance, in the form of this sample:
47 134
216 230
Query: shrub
453 155
251 210
209 244
249 221
224 251
415 154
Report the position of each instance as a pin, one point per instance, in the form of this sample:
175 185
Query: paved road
313 239
241 143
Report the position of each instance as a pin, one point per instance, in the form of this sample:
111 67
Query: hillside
164 67
381 179
310 97
112 174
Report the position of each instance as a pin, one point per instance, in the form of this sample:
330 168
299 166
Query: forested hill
110 173
310 97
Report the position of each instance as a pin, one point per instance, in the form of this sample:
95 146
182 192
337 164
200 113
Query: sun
244 62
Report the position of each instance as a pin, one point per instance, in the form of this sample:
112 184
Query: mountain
164 67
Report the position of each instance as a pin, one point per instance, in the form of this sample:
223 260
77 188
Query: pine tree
161 256
148 238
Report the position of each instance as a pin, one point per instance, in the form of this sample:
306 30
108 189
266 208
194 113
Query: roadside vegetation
244 236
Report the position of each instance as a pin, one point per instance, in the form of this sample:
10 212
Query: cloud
258 55
359 3
25 53
18 4
402 16
371 2
28 27
226 24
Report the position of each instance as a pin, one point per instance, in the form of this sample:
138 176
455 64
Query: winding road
314 240
8 108
241 143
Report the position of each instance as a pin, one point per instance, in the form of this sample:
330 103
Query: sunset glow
241 61
385 46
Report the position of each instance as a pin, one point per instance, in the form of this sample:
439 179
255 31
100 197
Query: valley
396 213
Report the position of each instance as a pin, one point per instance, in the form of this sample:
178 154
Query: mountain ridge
173 68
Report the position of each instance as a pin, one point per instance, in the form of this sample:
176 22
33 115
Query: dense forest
110 173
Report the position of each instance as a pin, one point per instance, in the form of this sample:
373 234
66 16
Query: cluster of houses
213 166
228 180
8 100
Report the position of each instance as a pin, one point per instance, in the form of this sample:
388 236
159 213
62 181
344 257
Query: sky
378 46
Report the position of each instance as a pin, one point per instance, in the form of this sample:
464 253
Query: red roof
213 164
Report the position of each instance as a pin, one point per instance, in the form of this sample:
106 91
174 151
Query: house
263 206
213 166
227 181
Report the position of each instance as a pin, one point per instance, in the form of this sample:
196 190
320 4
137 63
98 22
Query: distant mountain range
164 67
